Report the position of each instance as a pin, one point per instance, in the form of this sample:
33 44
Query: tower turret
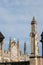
33 25
18 50
34 38
25 47
18 43
10 43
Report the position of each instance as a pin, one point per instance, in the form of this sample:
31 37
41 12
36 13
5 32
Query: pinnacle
33 21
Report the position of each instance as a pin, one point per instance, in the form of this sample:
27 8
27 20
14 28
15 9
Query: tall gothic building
35 59
14 54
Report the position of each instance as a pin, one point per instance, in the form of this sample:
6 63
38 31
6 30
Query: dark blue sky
16 17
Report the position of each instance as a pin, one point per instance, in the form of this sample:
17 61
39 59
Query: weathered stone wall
36 60
39 60
32 61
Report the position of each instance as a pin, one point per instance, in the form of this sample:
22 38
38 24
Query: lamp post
42 42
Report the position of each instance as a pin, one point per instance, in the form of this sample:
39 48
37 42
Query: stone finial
33 21
33 18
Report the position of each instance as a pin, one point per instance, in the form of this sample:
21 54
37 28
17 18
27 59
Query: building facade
13 54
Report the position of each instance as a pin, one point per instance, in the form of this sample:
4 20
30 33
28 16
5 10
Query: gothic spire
33 21
18 43
25 47
10 42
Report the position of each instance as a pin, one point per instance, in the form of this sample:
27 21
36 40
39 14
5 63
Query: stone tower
34 38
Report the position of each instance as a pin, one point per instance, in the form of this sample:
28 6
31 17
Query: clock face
14 52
